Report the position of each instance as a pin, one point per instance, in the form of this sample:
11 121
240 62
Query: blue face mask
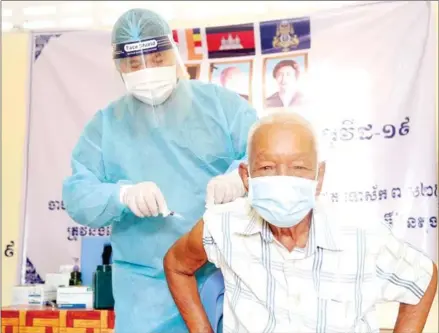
282 201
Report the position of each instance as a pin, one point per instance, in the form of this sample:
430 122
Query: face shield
150 68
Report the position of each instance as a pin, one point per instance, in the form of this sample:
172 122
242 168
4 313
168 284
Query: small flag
175 35
285 35
231 41
194 46
189 43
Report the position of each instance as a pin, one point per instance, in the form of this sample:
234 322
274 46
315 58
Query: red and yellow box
10 321
30 319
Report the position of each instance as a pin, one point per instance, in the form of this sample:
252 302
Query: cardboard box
74 297
35 319
37 294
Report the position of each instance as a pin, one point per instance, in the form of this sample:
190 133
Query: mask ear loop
318 168
249 181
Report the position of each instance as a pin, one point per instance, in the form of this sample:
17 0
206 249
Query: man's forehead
282 155
278 137
232 70
286 128
286 69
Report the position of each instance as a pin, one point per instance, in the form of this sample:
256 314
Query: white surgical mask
282 201
152 86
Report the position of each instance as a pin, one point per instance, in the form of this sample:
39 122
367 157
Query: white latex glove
225 188
144 199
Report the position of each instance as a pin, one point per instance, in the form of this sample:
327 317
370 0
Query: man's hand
144 199
181 262
225 188
412 318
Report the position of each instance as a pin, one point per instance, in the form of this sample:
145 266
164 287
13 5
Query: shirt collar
322 233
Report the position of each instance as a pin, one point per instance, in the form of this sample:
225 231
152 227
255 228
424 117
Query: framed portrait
235 76
193 71
281 80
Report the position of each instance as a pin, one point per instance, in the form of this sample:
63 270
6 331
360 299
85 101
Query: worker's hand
144 199
225 188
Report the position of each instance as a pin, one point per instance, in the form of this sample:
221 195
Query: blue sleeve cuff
117 209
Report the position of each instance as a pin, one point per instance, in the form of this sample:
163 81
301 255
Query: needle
173 214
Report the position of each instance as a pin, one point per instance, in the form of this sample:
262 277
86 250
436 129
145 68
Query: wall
15 54
15 60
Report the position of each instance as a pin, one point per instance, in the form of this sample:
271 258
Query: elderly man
287 265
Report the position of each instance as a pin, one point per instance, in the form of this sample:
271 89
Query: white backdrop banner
367 78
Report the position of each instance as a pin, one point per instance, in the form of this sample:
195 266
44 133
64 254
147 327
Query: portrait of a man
282 78
233 76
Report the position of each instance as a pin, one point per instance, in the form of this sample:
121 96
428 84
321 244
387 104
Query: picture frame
244 68
193 70
270 86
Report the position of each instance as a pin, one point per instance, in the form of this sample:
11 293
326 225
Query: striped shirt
331 285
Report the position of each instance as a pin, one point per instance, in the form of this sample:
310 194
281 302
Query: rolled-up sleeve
403 271
211 247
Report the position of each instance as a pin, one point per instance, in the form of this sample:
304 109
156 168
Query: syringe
173 214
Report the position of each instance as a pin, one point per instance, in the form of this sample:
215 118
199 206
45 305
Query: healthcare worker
152 152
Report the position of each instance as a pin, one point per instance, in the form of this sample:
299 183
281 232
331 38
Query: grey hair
281 117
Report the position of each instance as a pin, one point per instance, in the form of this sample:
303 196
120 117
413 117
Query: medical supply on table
74 297
66 269
56 280
75 275
102 282
91 256
103 289
36 294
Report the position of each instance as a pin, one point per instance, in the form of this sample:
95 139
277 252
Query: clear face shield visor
150 68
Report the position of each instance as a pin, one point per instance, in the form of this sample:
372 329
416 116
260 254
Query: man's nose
282 170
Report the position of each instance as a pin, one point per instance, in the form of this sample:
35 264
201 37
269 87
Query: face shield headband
142 47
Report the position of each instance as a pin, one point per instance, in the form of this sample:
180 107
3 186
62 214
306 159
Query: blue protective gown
197 134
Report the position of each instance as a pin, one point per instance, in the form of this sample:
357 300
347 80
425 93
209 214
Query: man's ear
243 173
320 177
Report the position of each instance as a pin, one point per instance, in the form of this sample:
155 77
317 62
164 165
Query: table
38 319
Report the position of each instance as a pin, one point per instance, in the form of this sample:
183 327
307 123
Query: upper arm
187 255
89 198
405 272
87 154
240 116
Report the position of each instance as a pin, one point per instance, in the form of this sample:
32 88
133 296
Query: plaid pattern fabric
332 285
